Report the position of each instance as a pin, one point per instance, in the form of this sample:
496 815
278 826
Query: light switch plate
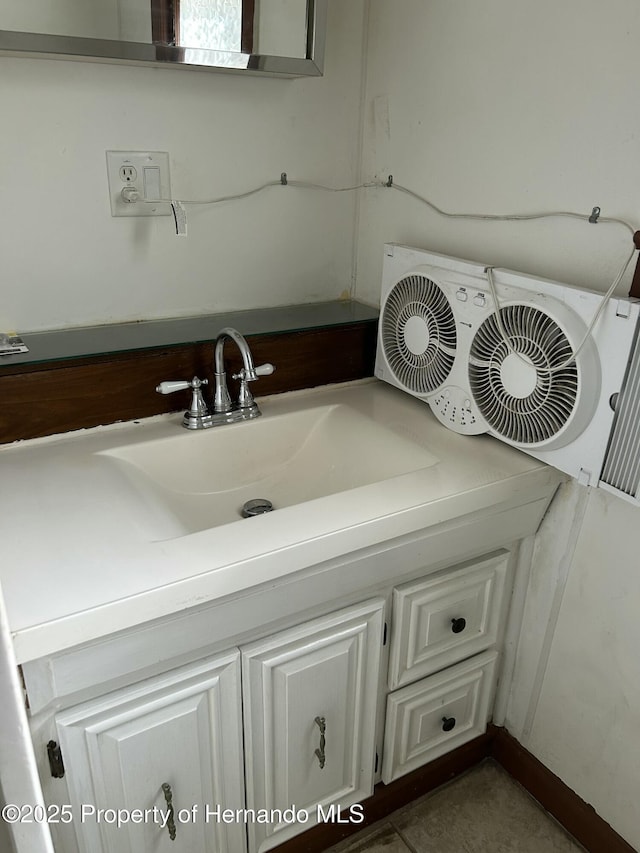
144 178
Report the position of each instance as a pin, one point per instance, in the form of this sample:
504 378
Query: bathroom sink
203 478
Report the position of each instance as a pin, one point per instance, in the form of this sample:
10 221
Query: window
204 24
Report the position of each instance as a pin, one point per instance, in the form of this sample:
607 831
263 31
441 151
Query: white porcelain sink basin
204 477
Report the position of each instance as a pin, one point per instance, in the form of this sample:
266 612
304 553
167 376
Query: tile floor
483 811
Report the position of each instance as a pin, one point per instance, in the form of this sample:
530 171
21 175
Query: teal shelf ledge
87 341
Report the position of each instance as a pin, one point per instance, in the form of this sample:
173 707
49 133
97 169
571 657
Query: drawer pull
171 823
448 723
458 625
319 752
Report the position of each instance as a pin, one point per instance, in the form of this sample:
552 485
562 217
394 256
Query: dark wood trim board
45 399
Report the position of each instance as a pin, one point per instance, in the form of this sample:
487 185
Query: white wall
512 106
498 107
97 19
583 716
66 261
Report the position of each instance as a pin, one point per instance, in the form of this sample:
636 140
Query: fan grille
418 333
517 397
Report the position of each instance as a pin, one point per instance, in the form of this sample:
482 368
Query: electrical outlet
128 174
139 183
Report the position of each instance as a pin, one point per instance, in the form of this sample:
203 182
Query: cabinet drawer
437 714
445 618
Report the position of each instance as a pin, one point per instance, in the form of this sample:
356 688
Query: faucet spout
246 406
229 333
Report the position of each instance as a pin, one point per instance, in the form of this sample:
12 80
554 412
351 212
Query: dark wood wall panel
45 399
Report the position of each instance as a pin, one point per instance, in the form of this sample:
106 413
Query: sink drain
256 506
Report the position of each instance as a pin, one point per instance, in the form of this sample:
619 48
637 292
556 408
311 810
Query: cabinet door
310 699
183 730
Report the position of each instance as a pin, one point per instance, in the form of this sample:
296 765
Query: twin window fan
500 352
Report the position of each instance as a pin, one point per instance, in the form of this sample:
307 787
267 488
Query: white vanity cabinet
271 706
169 747
310 699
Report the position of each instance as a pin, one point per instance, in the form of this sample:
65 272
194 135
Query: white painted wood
289 678
423 640
414 732
184 729
553 553
327 668
513 607
154 647
286 675
19 782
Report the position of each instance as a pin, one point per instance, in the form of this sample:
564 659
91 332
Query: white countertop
80 559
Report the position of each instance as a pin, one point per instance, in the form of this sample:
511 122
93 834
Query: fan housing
512 370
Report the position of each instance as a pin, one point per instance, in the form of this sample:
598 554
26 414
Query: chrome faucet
199 416
246 407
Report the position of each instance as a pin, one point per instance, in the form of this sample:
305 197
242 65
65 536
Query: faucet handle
265 369
246 402
198 411
171 385
249 376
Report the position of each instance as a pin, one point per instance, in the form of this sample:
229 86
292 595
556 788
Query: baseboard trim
577 817
387 798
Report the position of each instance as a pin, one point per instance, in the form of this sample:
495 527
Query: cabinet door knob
448 723
319 752
458 625
171 823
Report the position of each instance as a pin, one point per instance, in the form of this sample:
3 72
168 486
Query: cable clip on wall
180 215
